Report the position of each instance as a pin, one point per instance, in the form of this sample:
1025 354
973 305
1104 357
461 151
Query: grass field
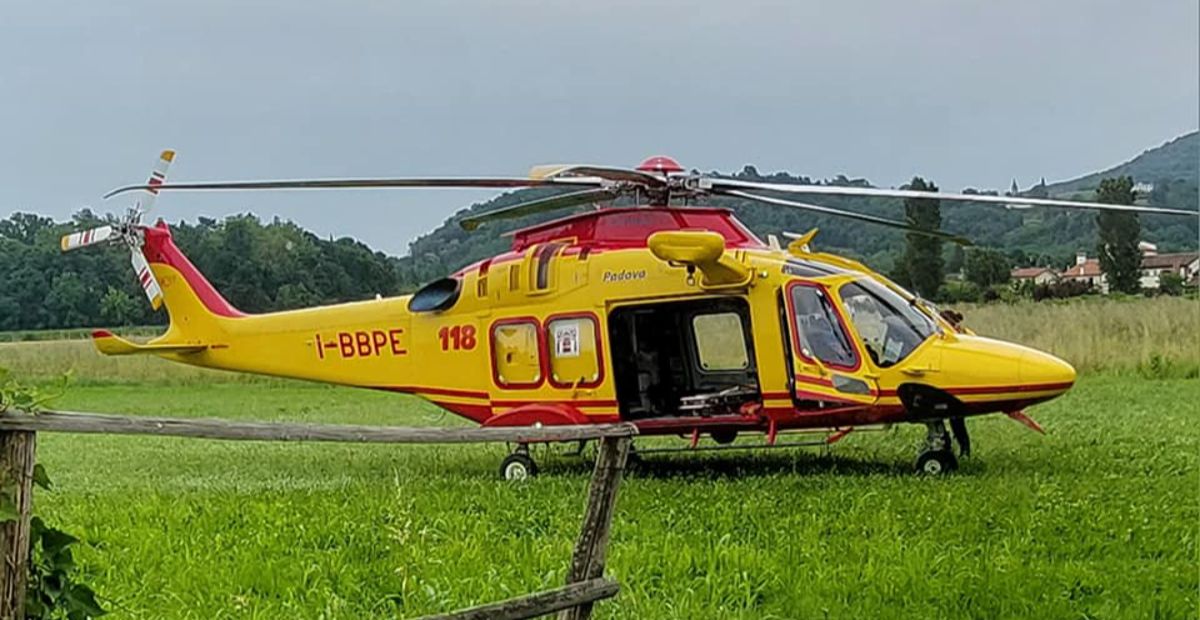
1098 519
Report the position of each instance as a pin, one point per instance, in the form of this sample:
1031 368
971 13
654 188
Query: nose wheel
518 465
937 455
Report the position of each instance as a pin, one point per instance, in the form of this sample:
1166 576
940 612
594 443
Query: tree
985 267
1170 284
118 308
922 260
1118 233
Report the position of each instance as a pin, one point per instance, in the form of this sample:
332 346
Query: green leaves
40 478
52 591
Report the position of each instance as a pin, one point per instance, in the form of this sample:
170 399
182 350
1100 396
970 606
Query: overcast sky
964 93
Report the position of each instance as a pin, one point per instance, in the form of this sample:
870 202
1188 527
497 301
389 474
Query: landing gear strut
518 465
937 455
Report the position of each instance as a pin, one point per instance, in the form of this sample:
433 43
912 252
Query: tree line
257 266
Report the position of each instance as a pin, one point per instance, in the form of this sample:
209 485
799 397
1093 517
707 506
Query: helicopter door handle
917 372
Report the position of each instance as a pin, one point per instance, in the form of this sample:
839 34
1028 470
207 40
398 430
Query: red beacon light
660 164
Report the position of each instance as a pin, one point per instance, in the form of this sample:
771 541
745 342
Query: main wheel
517 466
936 463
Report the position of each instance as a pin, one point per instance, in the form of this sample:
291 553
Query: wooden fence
585 585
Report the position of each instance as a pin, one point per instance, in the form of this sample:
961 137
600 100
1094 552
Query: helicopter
673 317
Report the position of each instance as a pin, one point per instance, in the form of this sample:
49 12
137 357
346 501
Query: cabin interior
685 358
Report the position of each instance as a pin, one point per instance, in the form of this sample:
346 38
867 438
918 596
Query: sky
963 93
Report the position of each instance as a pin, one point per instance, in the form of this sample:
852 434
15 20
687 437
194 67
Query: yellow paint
449 356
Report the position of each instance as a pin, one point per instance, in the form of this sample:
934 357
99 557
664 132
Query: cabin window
889 326
516 353
819 328
574 346
720 342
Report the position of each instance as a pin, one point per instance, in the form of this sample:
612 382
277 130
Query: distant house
1037 275
1184 264
1154 265
1086 270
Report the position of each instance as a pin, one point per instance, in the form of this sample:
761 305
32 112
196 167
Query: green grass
1096 520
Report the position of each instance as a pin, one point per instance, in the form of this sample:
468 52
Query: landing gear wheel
936 463
517 466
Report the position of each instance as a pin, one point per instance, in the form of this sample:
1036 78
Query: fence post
17 455
588 560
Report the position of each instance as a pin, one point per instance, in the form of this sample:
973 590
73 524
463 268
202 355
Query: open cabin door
826 361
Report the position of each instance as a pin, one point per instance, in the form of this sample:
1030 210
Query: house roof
1088 269
1027 273
1173 261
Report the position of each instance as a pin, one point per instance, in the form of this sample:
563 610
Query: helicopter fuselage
676 319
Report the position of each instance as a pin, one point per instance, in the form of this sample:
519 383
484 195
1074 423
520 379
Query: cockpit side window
819 328
889 326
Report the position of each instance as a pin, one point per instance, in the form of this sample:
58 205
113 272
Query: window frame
545 334
837 311
543 362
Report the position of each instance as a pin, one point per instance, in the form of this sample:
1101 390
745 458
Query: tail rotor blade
146 278
84 238
157 177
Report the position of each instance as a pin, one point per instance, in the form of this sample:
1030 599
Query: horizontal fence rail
212 428
539 604
586 583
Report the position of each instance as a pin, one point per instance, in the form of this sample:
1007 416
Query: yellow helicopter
677 319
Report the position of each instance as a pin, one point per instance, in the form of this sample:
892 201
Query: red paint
599 349
543 362
795 329
660 163
161 249
838 436
1021 417
394 338
574 403
457 337
102 333
629 227
546 414
996 389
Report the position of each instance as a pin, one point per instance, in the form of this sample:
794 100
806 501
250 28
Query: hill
1034 236
1174 161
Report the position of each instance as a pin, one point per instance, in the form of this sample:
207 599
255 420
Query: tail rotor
129 231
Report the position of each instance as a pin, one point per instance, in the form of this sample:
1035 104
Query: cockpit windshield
890 327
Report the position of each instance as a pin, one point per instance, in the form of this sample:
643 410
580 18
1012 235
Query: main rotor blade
625 175
829 190
561 201
452 182
862 217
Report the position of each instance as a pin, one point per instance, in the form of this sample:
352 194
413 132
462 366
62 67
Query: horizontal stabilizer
109 343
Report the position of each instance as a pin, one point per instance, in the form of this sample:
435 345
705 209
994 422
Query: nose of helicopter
1039 369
